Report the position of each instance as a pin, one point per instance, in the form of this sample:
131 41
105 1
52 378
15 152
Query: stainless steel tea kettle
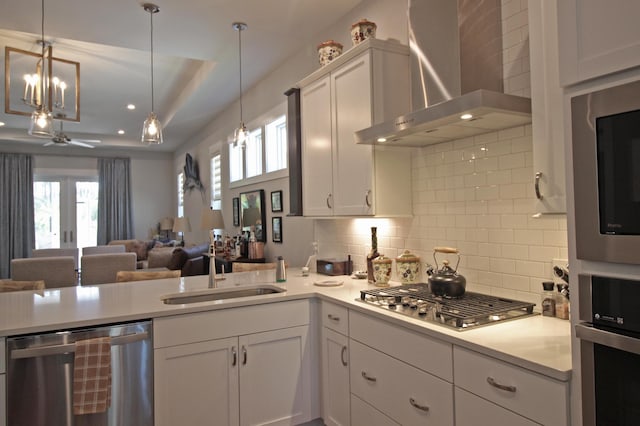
446 281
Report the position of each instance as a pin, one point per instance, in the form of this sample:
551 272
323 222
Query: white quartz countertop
538 343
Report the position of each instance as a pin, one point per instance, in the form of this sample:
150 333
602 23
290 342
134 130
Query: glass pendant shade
240 135
41 124
152 130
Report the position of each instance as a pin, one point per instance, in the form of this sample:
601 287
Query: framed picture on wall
276 201
276 223
252 213
236 211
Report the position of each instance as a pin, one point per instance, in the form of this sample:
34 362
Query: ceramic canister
328 51
362 30
408 267
382 270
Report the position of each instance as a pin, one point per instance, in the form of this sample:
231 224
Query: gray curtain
114 200
16 213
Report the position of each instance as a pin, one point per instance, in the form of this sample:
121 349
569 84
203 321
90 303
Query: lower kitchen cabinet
406 394
472 410
204 376
539 398
362 414
197 383
335 378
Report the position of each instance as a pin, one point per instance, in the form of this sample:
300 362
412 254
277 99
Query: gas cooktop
468 311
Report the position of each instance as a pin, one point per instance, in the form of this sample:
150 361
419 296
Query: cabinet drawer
364 414
431 355
402 392
3 355
335 317
528 391
201 326
472 410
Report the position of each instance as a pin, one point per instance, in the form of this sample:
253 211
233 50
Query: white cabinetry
597 38
546 108
247 366
366 85
500 389
335 365
389 371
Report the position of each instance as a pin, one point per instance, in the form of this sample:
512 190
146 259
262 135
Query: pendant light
152 129
41 124
240 134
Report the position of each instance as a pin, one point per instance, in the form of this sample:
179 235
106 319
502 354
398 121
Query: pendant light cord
151 12
43 62
240 66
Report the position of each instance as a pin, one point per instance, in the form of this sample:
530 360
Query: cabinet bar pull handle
71 234
244 355
537 186
64 240
497 385
418 406
329 201
333 318
369 378
342 353
366 198
234 354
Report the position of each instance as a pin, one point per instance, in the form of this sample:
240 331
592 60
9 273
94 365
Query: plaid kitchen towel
92 376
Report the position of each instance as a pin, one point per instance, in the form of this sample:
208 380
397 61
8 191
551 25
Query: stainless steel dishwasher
40 377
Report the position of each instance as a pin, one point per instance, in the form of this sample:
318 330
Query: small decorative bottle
548 299
372 255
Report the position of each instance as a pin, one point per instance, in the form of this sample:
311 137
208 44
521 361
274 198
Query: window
180 194
216 182
264 155
276 144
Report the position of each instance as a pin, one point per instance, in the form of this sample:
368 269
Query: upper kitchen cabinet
364 86
546 108
597 38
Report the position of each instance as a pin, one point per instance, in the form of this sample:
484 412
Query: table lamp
166 225
211 220
181 224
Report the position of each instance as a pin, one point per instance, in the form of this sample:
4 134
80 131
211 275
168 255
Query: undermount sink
219 294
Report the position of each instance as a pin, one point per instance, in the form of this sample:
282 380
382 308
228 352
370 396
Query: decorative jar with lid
362 30
328 51
382 270
408 267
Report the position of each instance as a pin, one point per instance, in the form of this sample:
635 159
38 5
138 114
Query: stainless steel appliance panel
618 194
40 377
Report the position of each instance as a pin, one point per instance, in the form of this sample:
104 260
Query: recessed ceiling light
131 106
382 139
466 116
1 123
121 132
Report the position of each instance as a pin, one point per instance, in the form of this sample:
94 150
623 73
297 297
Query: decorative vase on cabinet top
362 30
328 51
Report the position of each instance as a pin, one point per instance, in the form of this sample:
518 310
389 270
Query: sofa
150 255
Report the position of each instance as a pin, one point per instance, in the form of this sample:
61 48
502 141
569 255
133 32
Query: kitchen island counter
537 343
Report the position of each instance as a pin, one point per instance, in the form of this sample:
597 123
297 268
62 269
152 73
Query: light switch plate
563 264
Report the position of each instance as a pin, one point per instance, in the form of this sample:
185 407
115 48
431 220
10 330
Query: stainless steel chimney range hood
456 77
471 114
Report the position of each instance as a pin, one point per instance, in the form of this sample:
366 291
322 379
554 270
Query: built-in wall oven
609 333
606 166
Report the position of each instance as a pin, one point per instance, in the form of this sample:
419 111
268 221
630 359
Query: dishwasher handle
71 347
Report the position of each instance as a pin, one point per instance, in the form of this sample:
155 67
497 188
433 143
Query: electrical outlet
563 264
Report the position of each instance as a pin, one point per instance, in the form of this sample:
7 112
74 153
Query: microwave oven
606 166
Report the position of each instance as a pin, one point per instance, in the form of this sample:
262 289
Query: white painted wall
298 233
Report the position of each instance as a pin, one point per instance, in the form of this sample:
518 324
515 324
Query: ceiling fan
60 138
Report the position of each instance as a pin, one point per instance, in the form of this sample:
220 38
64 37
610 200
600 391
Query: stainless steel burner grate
472 309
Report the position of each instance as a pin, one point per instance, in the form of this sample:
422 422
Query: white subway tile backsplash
476 194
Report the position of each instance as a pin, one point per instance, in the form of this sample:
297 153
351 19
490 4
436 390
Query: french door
66 211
